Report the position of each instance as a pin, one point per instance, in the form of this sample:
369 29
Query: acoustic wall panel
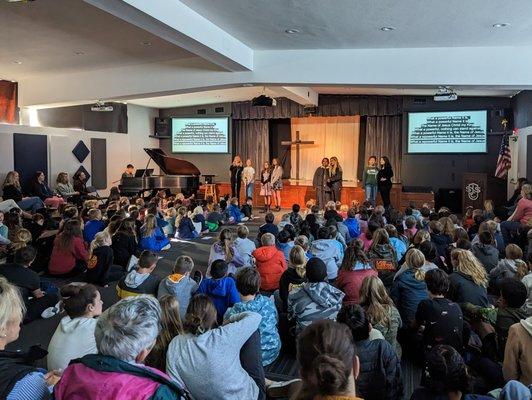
30 155
99 163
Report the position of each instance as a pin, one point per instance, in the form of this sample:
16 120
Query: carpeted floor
284 368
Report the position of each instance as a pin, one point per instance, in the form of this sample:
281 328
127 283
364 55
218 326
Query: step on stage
303 192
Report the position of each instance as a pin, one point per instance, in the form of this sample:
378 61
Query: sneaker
285 389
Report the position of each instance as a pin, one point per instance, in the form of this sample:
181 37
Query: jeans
507 228
371 193
7 205
31 204
249 190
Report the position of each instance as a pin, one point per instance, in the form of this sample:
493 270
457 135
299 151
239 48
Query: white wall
121 148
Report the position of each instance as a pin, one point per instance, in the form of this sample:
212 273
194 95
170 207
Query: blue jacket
406 293
353 226
399 246
155 242
329 252
285 248
234 213
222 292
186 229
270 342
91 228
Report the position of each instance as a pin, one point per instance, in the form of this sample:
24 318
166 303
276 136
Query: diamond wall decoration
82 169
81 151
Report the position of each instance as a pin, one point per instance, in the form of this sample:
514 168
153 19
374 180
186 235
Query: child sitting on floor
248 284
220 288
247 208
179 284
94 225
185 226
140 280
233 213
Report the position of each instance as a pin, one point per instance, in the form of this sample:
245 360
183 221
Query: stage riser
301 194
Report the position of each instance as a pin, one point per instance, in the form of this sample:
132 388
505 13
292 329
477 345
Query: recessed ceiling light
17 62
79 53
291 31
146 43
247 84
501 25
387 28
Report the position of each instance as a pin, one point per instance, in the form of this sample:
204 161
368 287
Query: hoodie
271 264
217 252
312 302
488 255
181 287
289 281
407 292
441 241
328 251
517 363
135 283
222 292
527 307
464 290
350 281
506 268
270 342
245 247
353 226
285 248
72 339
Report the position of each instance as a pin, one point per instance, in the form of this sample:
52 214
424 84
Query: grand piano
179 176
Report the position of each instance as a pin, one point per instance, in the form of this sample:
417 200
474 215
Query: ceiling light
17 62
146 43
291 31
387 28
79 53
247 84
501 25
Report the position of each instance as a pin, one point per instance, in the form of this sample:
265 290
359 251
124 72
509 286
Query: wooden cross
298 142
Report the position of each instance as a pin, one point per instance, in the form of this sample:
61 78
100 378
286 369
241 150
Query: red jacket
350 283
62 262
271 264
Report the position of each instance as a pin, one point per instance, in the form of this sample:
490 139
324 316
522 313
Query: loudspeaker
496 118
450 198
163 127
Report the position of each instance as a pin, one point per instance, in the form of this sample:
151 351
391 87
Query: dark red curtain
8 102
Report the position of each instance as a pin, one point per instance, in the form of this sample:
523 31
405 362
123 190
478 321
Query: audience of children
410 284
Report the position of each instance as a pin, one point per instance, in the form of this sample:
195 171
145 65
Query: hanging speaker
163 126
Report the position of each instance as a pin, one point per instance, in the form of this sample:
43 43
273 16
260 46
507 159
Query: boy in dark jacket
440 240
220 288
140 280
269 226
247 208
380 375
485 251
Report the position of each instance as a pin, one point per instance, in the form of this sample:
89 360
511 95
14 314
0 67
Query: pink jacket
80 382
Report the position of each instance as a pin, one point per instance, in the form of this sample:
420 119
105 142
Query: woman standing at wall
335 179
384 180
236 169
277 183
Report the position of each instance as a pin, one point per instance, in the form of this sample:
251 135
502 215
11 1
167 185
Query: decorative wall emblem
473 190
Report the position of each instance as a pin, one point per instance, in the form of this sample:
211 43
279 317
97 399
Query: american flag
504 161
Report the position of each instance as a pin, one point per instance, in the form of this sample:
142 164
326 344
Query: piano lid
171 165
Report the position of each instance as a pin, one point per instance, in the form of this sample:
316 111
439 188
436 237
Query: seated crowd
349 292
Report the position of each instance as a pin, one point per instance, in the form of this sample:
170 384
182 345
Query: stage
301 193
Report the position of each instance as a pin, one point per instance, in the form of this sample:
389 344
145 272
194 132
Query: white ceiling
338 24
247 93
45 34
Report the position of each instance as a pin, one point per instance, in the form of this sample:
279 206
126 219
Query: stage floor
300 193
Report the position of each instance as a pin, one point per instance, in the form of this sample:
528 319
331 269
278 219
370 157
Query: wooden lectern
477 187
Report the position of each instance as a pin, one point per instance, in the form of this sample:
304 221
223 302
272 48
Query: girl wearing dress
277 183
236 169
248 176
265 185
